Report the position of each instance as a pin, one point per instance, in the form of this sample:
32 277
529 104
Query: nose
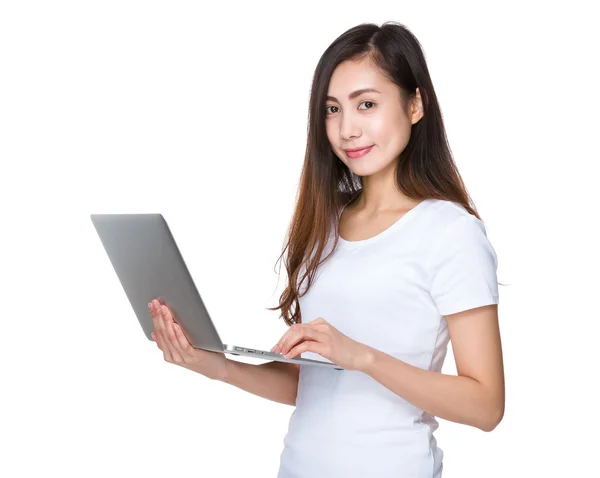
349 128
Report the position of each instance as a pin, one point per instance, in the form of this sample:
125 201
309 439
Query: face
371 118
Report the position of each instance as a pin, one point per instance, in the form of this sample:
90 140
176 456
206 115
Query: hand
320 337
177 349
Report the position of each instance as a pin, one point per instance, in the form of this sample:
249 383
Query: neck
381 194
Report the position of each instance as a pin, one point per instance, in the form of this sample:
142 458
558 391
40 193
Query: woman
404 266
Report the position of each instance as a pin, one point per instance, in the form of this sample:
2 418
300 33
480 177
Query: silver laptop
148 263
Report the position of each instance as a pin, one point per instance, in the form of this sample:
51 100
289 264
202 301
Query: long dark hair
425 169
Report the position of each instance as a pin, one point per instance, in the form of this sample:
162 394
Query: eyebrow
356 93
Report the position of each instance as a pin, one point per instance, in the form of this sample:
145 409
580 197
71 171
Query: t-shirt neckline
406 217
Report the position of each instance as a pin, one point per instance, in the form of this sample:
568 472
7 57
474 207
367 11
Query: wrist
226 371
368 357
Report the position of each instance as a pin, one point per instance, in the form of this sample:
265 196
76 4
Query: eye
370 102
362 103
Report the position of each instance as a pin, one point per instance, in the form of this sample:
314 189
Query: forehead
352 75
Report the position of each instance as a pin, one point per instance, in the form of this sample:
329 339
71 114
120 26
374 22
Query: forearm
455 398
276 381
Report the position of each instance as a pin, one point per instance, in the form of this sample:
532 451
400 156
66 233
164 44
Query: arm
476 396
276 381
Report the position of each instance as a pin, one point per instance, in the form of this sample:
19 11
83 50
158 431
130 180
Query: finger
285 338
303 333
159 343
160 327
155 324
307 346
156 340
184 344
173 344
180 350
166 337
154 319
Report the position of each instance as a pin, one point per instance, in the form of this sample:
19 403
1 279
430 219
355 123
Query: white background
198 111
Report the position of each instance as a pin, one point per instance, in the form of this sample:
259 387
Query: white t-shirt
390 292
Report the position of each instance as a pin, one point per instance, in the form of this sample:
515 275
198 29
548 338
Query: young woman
388 261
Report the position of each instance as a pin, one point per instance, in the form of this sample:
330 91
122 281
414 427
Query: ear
416 108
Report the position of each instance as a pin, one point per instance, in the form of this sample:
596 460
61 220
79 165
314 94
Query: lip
354 150
357 153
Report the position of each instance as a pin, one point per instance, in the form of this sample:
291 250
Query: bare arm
276 381
476 396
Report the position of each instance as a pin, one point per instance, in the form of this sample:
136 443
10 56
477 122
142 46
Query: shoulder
458 237
452 231
445 217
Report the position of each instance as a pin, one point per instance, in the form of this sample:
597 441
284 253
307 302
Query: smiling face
371 118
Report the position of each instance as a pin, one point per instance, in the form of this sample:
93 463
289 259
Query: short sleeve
463 268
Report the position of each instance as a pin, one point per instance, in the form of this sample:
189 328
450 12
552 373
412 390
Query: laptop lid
149 265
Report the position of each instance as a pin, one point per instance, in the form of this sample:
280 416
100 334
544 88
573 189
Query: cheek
378 129
391 133
401 136
330 129
332 136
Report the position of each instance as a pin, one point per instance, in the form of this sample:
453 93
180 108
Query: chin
366 169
